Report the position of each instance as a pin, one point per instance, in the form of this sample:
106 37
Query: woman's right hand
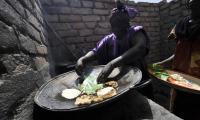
79 66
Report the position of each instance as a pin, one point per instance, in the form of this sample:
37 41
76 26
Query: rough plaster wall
23 52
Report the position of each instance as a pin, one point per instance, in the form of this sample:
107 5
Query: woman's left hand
105 72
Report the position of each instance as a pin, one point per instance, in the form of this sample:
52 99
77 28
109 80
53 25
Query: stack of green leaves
90 85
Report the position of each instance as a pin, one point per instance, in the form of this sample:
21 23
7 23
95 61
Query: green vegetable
156 67
161 75
90 85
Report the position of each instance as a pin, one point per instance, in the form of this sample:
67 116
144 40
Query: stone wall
82 23
24 61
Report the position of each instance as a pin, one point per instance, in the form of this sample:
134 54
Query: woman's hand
79 66
105 72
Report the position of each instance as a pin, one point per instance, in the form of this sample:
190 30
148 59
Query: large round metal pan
179 87
49 95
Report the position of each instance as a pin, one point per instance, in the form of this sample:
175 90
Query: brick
32 32
144 14
8 38
86 32
152 19
27 4
10 15
68 33
27 44
101 12
70 18
81 11
146 24
164 6
38 13
74 40
51 18
151 33
100 31
58 10
61 26
88 4
90 24
103 18
155 24
91 18
93 38
46 2
60 2
154 14
175 12
42 49
99 5
32 20
44 37
175 6
16 4
39 62
78 25
109 6
75 3
104 24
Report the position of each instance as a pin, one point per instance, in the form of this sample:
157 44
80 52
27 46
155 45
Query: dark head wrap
120 7
123 13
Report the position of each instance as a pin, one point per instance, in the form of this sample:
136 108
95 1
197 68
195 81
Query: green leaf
161 75
156 67
90 85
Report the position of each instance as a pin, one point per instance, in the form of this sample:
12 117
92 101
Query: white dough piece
70 93
105 91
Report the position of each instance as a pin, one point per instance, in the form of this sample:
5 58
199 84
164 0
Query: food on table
90 85
92 94
70 93
100 95
106 92
156 67
113 84
91 91
83 100
161 73
179 80
97 98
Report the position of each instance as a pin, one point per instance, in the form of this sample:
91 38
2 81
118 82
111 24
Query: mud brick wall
170 14
24 61
82 23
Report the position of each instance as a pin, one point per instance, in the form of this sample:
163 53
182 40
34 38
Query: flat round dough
70 93
105 91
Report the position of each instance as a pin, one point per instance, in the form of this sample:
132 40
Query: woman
187 59
127 45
